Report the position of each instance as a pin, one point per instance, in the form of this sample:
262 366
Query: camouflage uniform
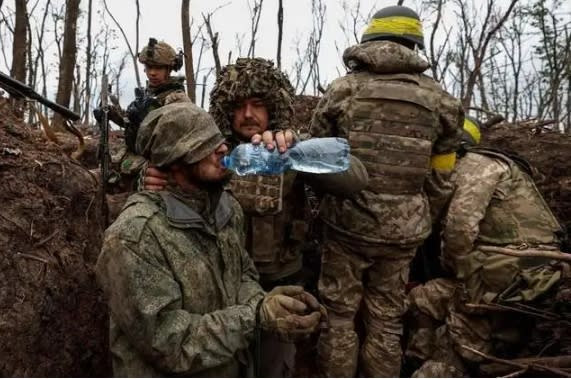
275 206
495 203
182 288
395 119
155 53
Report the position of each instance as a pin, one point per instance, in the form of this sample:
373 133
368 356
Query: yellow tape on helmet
397 25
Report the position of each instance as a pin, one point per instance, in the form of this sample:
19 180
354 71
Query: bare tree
554 52
88 61
439 57
4 37
280 33
131 52
67 64
213 37
478 42
510 38
255 14
18 70
187 43
306 68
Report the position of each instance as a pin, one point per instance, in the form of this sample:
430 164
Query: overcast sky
161 19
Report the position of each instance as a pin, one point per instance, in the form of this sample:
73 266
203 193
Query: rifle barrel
17 88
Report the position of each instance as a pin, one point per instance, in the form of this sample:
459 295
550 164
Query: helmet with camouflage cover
396 23
160 54
248 78
178 131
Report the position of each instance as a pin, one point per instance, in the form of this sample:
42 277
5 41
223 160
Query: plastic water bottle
317 155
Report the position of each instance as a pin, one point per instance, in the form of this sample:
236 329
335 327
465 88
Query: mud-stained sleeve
325 120
476 182
145 301
451 124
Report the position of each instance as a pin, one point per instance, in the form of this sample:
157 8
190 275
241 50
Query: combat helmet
178 131
247 78
471 135
395 23
160 54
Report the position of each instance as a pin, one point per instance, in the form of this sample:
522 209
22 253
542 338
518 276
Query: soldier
495 204
183 293
398 121
252 101
159 60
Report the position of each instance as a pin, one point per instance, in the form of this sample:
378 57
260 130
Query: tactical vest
393 123
275 221
519 214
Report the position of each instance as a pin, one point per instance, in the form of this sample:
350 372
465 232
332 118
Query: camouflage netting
53 320
263 80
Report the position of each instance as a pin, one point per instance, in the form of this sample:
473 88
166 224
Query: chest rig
270 204
392 123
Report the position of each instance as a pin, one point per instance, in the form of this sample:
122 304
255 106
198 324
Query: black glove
136 113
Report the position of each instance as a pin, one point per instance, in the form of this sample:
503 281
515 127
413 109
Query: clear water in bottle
317 155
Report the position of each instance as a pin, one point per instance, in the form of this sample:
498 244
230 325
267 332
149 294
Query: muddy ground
53 319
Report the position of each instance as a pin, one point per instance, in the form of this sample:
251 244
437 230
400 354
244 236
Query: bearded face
209 170
251 117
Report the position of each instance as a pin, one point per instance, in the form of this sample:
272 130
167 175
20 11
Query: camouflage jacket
496 203
182 289
393 141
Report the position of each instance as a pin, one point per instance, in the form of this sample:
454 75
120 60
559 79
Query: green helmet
178 131
471 135
247 78
394 23
160 54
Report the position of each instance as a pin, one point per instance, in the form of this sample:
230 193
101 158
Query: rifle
19 90
104 145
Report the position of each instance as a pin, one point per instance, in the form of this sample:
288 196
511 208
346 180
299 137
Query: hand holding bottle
317 155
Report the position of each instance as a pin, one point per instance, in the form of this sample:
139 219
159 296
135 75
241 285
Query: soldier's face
210 169
157 75
251 117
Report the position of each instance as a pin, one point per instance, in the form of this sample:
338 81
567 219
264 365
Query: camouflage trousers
370 279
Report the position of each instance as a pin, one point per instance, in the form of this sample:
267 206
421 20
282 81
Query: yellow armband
443 162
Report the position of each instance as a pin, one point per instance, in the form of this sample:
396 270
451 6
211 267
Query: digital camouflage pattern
247 78
178 131
345 263
395 119
495 203
167 317
371 106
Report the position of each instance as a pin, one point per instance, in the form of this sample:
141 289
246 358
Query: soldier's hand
154 179
282 139
291 312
